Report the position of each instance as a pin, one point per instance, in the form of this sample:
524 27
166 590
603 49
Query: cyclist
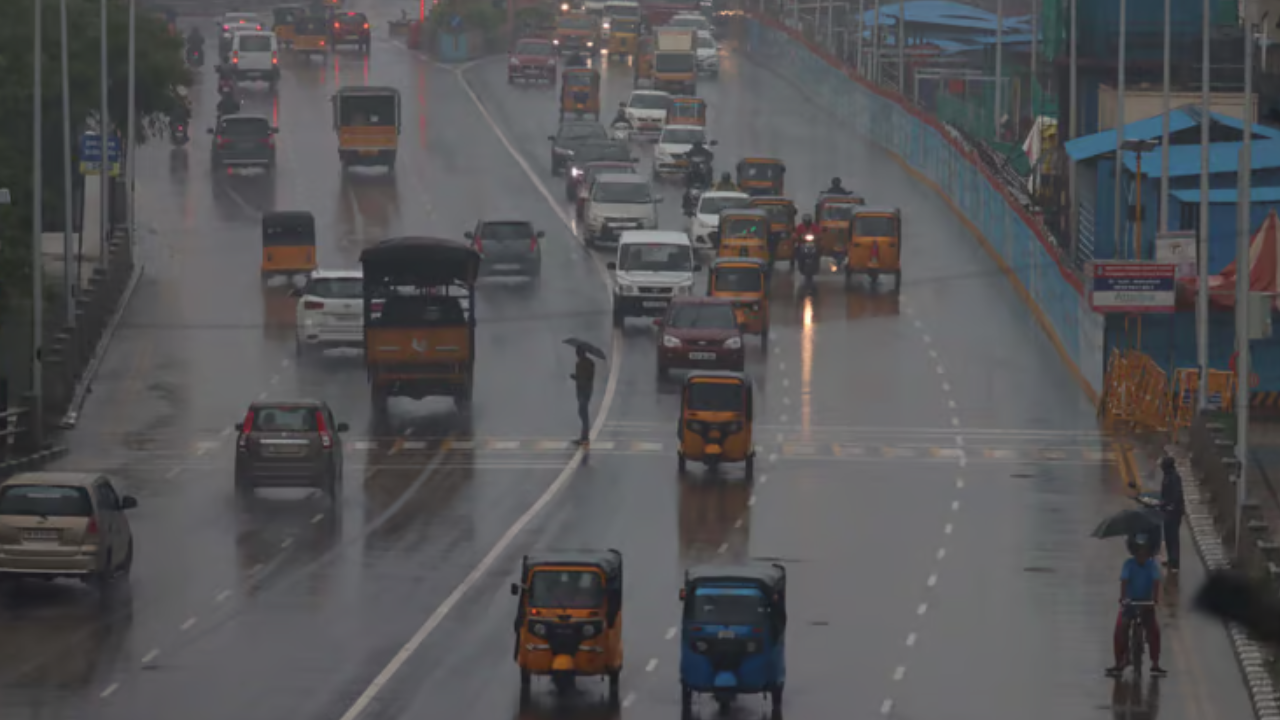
1139 582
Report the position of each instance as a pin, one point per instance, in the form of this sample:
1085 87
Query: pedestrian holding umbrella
584 378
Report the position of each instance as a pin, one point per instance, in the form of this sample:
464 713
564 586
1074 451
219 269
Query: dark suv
290 444
351 28
244 141
508 247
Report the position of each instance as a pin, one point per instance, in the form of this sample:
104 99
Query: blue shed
1184 210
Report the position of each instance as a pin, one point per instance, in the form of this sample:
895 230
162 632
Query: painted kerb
1055 295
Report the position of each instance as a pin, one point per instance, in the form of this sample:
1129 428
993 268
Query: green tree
161 71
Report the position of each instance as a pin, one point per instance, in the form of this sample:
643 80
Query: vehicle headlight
671 342
540 629
588 631
513 61
606 25
685 289
577 172
555 41
625 289
700 645
591 43
733 343
564 7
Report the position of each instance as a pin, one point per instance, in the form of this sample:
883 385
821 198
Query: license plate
506 266
727 635
702 356
654 303
40 535
286 450
368 152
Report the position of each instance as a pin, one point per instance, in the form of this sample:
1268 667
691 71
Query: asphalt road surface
929 469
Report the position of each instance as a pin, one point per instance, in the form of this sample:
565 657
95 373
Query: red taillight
235 56
479 245
246 427
259 27
326 439
366 26
533 243
337 25
322 42
92 527
313 305
226 27
275 56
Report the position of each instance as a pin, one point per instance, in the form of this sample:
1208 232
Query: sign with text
1118 286
91 154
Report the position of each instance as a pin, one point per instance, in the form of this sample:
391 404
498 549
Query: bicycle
1137 632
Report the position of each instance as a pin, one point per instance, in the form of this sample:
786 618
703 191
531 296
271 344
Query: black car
573 133
508 247
592 151
290 444
244 141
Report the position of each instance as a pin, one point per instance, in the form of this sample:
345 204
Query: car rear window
337 288
245 127
255 43
283 418
582 131
702 316
45 500
507 232
349 20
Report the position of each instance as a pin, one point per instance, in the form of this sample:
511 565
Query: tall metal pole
1164 123
1121 206
133 99
37 231
104 132
875 46
1244 238
1202 239
1073 217
1035 78
68 245
999 62
902 48
862 30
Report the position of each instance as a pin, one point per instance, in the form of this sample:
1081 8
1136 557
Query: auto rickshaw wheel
615 679
563 682
725 703
873 276
681 463
751 465
897 281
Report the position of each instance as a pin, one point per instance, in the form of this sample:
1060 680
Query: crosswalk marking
546 445
603 445
364 444
504 444
646 447
942 452
799 449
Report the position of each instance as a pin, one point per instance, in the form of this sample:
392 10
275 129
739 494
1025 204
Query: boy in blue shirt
1139 582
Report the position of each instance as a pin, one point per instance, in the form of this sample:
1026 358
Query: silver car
508 247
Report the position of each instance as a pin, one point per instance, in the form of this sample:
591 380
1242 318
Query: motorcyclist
837 188
195 39
807 227
621 117
229 104
725 184
698 152
180 116
226 81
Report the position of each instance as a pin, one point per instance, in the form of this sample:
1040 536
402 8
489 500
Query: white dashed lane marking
190 623
110 690
671 632
653 663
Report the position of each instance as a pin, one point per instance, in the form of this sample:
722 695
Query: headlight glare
733 343
589 631
540 629
671 342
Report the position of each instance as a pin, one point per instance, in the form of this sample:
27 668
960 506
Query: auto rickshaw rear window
368 111
625 25
762 171
715 397
337 288
739 279
742 228
729 607
578 79
702 316
876 226
674 62
838 211
656 257
45 500
284 418
778 212
420 311
713 205
311 26
566 589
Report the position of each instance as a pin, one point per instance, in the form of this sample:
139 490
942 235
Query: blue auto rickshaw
733 633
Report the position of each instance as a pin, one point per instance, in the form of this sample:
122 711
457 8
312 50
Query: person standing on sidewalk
1174 506
584 378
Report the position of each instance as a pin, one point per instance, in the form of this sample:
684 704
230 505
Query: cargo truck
675 61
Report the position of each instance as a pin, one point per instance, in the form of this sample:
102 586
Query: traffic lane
1027 625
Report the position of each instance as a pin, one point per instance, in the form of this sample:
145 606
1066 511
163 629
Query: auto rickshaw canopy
761 169
684 110
289 227
770 578
868 212
732 221
774 205
625 25
722 377
608 562
420 261
287 14
737 263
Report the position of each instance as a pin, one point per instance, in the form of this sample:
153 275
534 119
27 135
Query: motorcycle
620 130
179 134
689 203
806 257
699 176
195 56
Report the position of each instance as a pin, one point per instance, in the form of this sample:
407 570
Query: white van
255 55
653 266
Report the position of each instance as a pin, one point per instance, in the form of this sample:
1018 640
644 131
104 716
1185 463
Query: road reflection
863 304
280 529
714 514
60 635
279 312
245 195
1130 700
587 703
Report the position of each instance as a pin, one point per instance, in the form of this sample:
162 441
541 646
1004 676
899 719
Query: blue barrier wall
1170 340
923 146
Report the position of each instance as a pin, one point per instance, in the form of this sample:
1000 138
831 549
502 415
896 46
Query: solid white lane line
151 656
671 632
653 663
110 689
188 624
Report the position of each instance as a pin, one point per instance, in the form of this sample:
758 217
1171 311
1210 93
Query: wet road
929 470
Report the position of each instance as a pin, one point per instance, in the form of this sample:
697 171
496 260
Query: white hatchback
330 312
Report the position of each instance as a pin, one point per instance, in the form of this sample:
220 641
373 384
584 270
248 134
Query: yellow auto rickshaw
367 120
875 244
834 214
761 176
285 18
743 233
311 35
745 282
687 111
624 36
288 243
716 412
644 61
580 92
569 618
782 224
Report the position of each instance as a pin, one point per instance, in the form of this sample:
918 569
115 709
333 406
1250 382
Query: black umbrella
585 346
1130 522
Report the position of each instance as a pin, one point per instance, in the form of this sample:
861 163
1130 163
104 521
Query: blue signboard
91 154
1117 286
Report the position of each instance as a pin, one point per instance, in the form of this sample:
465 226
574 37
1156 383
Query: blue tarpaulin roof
1229 195
1104 143
944 13
1184 160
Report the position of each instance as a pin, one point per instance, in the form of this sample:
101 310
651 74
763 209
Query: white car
330 312
692 21
255 55
647 111
708 51
706 217
238 21
675 141
653 266
621 202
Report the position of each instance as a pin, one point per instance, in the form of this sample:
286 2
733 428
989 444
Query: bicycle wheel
1137 646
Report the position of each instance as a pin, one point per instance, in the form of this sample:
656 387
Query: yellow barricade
1222 393
1137 392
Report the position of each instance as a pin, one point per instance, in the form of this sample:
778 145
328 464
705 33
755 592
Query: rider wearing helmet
726 183
807 227
698 151
837 188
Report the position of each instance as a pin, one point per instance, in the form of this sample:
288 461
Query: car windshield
702 316
535 48
713 205
840 212
649 101
618 192
45 501
241 19
566 589
582 132
673 62
876 226
739 279
729 609
507 232
284 418
741 227
576 23
714 397
656 257
255 43
603 151
349 19
706 43
245 127
310 27
337 288
683 136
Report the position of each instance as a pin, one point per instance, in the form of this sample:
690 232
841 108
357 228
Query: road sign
1123 286
91 154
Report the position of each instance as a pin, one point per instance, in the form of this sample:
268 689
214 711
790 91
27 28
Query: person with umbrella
1139 582
1174 507
584 379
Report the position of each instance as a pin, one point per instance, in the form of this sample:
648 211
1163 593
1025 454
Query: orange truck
367 121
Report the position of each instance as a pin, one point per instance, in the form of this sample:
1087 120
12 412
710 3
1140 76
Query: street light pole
862 30
104 136
875 46
1244 238
999 63
68 245
131 121
37 231
1073 217
1117 226
1164 123
1202 239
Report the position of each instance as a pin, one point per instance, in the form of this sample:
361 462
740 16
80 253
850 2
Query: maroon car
532 59
700 333
589 173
